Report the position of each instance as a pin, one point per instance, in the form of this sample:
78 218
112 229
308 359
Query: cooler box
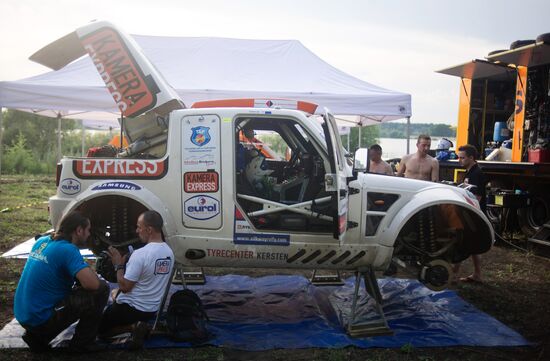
539 155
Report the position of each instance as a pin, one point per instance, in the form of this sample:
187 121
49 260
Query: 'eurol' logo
200 136
69 186
201 207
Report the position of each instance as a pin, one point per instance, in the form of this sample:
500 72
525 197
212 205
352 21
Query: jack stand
326 280
189 278
357 328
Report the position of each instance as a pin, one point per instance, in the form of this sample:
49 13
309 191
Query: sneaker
139 334
35 343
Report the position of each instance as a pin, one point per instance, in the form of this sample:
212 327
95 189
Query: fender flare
424 199
141 195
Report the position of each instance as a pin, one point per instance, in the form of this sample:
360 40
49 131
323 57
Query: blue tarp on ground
288 312
272 312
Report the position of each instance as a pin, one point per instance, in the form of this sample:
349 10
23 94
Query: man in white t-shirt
141 281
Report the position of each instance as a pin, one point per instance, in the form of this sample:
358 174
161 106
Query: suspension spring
421 233
431 225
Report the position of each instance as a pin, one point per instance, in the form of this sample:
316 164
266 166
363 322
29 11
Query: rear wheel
533 217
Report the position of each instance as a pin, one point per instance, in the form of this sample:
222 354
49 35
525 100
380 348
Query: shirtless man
420 165
377 165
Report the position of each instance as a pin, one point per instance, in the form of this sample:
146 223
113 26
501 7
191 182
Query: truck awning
477 69
529 55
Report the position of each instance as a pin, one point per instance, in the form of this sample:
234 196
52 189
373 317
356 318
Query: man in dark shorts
141 282
467 155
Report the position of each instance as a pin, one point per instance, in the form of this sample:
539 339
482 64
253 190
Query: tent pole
83 138
359 142
408 132
121 131
58 137
1 136
349 134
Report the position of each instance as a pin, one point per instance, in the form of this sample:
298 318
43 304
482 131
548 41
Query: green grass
25 213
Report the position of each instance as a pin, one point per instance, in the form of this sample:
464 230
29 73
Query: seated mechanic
47 300
141 282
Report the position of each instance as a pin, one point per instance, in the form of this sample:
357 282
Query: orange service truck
504 111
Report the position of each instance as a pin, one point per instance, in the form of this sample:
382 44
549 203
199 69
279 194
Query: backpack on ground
186 319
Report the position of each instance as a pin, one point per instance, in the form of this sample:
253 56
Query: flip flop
470 279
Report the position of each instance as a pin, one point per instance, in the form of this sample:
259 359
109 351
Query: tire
532 218
494 215
545 38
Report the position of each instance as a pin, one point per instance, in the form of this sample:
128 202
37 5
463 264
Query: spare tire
545 38
519 43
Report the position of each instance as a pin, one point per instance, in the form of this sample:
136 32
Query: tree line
399 130
29 142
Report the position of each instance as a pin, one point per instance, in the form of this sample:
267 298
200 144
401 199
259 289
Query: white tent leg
1 135
83 138
408 133
359 142
58 137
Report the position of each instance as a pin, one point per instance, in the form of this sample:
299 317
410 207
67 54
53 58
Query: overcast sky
393 44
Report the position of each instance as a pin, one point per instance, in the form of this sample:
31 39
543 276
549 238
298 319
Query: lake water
396 148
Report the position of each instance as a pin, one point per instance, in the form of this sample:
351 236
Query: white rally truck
225 203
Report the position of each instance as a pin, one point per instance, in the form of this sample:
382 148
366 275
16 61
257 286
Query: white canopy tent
213 68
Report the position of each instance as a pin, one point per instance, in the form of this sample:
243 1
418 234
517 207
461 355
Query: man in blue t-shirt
47 300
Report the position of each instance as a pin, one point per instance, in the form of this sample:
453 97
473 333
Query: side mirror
361 161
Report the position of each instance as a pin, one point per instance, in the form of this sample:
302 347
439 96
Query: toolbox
539 155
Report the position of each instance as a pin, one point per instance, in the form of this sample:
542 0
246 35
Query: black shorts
122 314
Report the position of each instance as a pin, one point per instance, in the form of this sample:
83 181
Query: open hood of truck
477 69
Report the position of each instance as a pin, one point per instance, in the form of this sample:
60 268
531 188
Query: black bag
186 319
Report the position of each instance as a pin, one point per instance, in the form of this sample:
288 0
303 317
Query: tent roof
213 68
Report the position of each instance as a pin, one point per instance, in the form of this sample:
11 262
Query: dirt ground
515 291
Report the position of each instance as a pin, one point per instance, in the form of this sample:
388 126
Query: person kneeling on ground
47 300
141 282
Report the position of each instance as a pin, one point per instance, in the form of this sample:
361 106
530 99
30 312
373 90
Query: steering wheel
292 167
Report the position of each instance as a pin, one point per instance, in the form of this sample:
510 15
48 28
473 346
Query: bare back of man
416 166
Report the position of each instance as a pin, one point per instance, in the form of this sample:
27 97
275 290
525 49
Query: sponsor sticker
69 186
201 207
118 69
262 239
243 233
205 160
117 185
120 168
200 136
162 266
201 182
